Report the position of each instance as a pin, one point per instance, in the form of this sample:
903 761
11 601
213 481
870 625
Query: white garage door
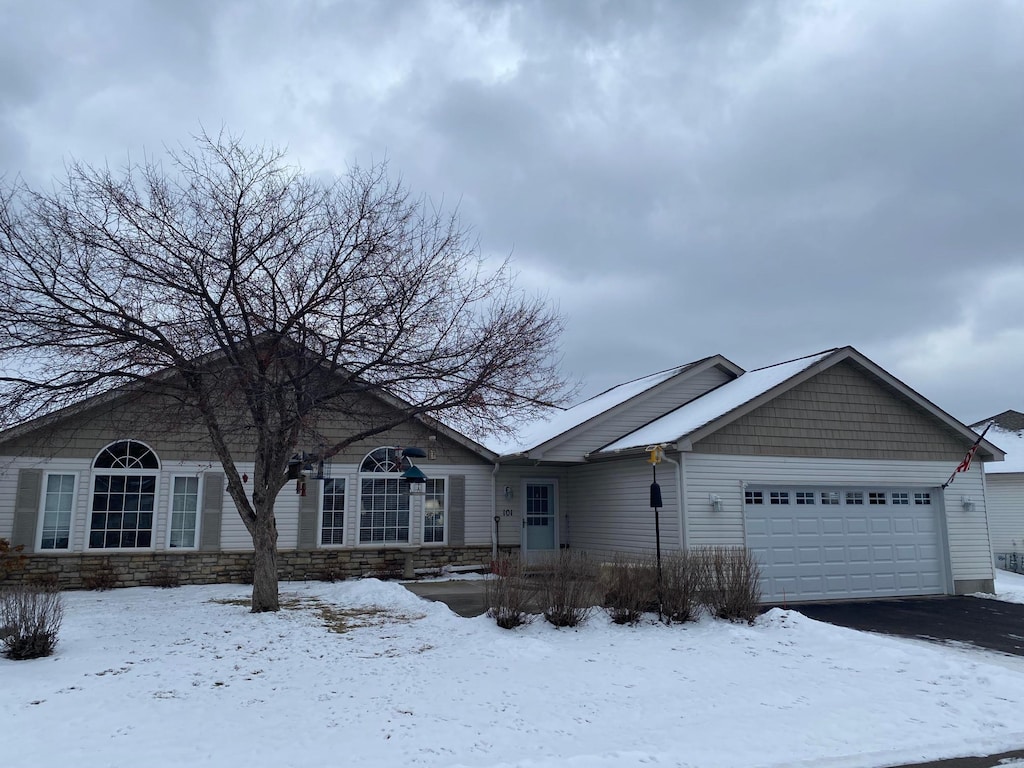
836 543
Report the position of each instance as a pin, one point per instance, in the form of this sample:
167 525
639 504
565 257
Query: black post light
656 454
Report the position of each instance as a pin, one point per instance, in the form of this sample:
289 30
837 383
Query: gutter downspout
680 501
494 510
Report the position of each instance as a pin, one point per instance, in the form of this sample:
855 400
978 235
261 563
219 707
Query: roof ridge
795 359
676 368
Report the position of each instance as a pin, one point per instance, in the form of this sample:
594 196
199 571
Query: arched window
383 498
123 496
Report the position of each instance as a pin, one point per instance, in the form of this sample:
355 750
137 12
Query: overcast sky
757 179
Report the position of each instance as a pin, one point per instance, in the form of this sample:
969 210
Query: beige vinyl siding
610 507
637 412
1004 497
705 474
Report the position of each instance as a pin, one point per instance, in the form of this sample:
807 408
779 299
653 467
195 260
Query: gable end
844 413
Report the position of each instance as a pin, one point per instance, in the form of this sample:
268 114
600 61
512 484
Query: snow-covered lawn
188 677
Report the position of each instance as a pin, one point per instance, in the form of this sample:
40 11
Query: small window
900 497
876 497
434 505
854 497
58 505
779 497
922 498
754 497
805 497
829 497
332 526
184 512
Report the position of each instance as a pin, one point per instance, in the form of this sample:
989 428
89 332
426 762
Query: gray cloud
758 179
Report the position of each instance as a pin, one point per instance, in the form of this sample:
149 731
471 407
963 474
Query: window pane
332 529
58 504
184 504
114 494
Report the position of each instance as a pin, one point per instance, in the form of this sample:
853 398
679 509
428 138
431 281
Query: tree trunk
264 562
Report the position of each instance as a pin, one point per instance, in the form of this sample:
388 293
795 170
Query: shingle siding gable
842 412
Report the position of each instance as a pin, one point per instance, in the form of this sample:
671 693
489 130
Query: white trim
345 524
170 511
159 463
41 513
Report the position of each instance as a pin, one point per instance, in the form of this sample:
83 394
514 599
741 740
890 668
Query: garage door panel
816 551
855 525
881 525
832 526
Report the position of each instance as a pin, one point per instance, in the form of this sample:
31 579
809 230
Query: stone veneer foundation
84 571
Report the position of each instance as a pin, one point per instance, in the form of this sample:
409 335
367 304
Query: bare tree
261 297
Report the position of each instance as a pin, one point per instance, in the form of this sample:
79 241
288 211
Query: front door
540 518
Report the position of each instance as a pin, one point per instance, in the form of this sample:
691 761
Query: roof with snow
562 420
1007 431
715 404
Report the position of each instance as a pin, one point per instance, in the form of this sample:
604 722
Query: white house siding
705 474
638 412
1004 497
609 507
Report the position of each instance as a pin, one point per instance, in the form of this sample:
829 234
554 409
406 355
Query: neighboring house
1004 488
827 467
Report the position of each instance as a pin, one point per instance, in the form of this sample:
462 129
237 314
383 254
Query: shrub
11 558
683 576
100 578
166 578
510 594
567 588
630 586
29 621
732 583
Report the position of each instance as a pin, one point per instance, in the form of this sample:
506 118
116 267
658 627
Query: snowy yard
363 673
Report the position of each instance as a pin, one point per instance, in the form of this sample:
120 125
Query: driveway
990 624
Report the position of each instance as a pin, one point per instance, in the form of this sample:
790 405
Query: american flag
964 465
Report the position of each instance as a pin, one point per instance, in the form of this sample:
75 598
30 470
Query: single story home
827 467
1004 489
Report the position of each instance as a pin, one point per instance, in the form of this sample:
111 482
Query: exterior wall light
967 503
716 502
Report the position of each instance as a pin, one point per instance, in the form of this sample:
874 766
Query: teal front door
540 518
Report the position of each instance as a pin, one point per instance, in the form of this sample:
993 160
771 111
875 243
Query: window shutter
212 512
26 508
309 508
457 510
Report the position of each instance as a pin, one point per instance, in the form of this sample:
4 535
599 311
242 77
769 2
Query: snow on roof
714 404
563 419
1010 441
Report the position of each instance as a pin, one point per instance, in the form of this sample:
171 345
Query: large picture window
58 506
383 499
184 512
123 497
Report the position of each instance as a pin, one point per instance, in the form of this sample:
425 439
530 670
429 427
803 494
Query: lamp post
656 454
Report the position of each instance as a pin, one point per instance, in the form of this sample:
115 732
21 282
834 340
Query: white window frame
446 511
170 511
96 472
358 514
42 511
344 514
